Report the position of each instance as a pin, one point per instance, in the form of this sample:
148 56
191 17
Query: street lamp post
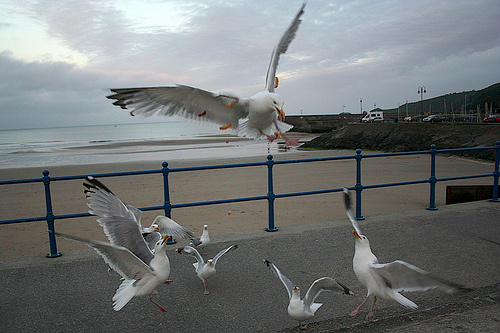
421 91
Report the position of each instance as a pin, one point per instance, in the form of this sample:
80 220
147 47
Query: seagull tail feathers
124 294
404 301
315 307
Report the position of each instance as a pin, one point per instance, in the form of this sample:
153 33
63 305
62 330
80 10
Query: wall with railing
270 196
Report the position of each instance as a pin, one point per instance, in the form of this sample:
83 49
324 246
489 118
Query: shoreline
27 200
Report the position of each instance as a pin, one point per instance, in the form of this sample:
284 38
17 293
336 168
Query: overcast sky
58 57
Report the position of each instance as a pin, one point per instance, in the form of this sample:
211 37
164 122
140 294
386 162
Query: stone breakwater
397 137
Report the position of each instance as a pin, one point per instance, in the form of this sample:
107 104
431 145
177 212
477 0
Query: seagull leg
206 292
371 310
168 281
158 305
355 312
304 327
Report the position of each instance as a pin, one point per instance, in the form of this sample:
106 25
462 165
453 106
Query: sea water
46 147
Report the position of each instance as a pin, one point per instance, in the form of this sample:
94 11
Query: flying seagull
387 280
139 278
122 222
261 115
302 310
204 270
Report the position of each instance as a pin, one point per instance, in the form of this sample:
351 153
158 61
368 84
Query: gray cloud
380 51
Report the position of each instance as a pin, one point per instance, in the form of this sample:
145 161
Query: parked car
494 118
433 119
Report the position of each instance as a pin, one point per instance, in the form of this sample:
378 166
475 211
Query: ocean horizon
94 144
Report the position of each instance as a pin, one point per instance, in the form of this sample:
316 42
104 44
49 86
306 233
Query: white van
373 117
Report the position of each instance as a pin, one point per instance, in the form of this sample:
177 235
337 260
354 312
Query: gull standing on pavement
204 270
139 278
302 310
387 280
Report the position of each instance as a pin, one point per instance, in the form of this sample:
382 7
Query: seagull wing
151 239
196 241
118 222
281 48
194 253
324 284
184 101
169 227
286 282
349 212
402 276
120 259
221 253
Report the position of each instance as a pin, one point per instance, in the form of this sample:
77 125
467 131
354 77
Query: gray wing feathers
403 276
221 253
192 252
183 101
286 282
118 258
349 212
281 48
118 222
324 284
169 227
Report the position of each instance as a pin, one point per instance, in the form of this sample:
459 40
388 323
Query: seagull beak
164 239
281 113
355 233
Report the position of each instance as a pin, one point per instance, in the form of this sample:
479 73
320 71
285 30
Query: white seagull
262 114
204 270
122 223
203 240
302 310
139 278
387 280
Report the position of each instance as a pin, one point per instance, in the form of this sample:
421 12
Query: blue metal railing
270 196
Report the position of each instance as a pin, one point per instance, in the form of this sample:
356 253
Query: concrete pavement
458 242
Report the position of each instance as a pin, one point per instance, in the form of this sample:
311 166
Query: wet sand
27 200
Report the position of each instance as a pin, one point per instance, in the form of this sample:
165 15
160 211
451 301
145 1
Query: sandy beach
27 200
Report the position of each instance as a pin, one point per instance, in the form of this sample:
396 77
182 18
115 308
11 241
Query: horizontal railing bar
464 177
318 159
403 153
27 219
410 182
215 202
221 166
296 194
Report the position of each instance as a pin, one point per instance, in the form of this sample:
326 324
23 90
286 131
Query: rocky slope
396 137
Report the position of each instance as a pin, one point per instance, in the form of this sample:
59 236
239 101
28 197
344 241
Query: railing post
167 206
270 193
359 186
432 180
50 217
496 173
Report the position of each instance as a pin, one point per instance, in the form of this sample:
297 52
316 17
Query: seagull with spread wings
387 280
122 222
304 309
204 270
256 117
140 278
